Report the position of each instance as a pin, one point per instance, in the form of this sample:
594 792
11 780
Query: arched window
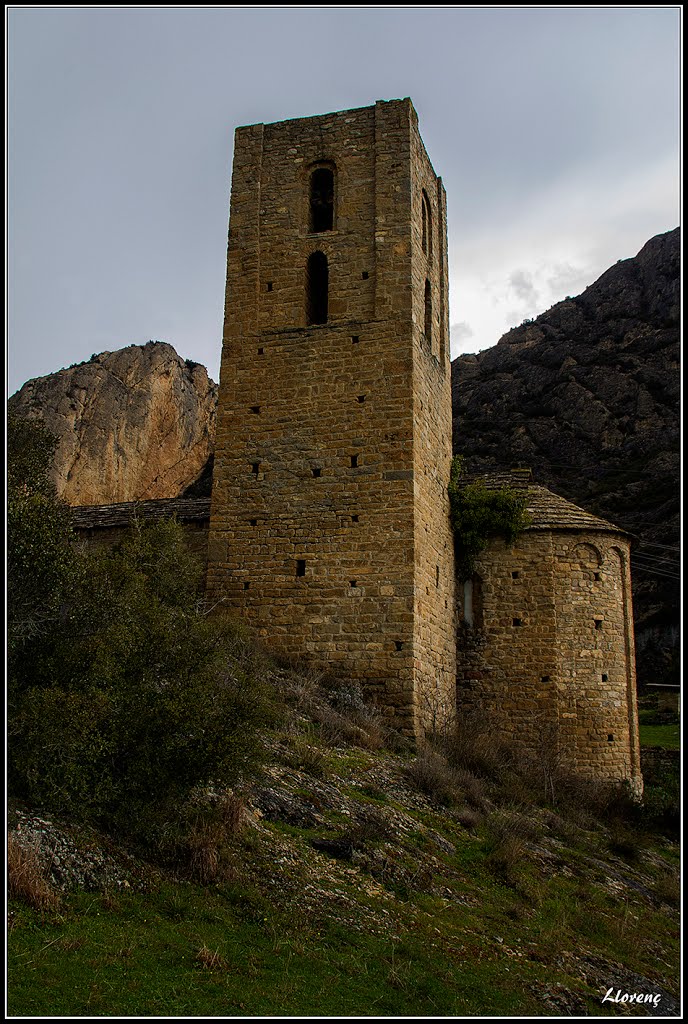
426 216
317 281
322 199
428 312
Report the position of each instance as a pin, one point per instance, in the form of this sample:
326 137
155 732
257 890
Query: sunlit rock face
133 424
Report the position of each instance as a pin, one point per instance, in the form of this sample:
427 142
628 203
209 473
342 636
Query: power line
657 572
646 556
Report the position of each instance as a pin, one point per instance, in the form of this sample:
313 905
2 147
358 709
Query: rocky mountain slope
588 395
133 424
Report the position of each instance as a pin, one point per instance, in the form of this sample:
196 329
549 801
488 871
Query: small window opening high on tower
426 218
428 312
317 282
322 199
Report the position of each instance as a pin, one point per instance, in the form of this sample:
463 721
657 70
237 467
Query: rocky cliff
133 424
587 395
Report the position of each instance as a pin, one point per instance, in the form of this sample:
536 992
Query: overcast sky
555 130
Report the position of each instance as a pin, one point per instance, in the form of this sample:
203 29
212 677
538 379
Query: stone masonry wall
597 698
195 538
316 498
548 661
434 597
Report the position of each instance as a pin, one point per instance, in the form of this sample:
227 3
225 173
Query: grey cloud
565 279
522 283
461 331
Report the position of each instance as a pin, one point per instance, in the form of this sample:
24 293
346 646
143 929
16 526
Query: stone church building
328 529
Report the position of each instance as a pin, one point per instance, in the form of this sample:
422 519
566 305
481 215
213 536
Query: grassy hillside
356 878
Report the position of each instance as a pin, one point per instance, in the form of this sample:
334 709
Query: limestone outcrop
134 424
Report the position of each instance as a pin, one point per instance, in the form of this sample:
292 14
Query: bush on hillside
131 696
40 561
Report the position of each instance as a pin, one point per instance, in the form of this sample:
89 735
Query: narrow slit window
255 468
426 217
300 566
605 677
322 199
398 644
354 461
246 584
428 312
317 285
598 623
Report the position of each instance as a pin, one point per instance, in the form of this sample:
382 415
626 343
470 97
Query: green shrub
124 694
40 562
479 513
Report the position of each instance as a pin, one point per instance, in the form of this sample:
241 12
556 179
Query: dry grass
27 877
430 773
667 889
209 960
233 810
507 836
207 839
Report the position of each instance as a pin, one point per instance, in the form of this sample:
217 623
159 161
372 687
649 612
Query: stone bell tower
330 529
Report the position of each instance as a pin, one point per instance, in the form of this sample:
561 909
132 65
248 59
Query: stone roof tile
85 517
547 510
